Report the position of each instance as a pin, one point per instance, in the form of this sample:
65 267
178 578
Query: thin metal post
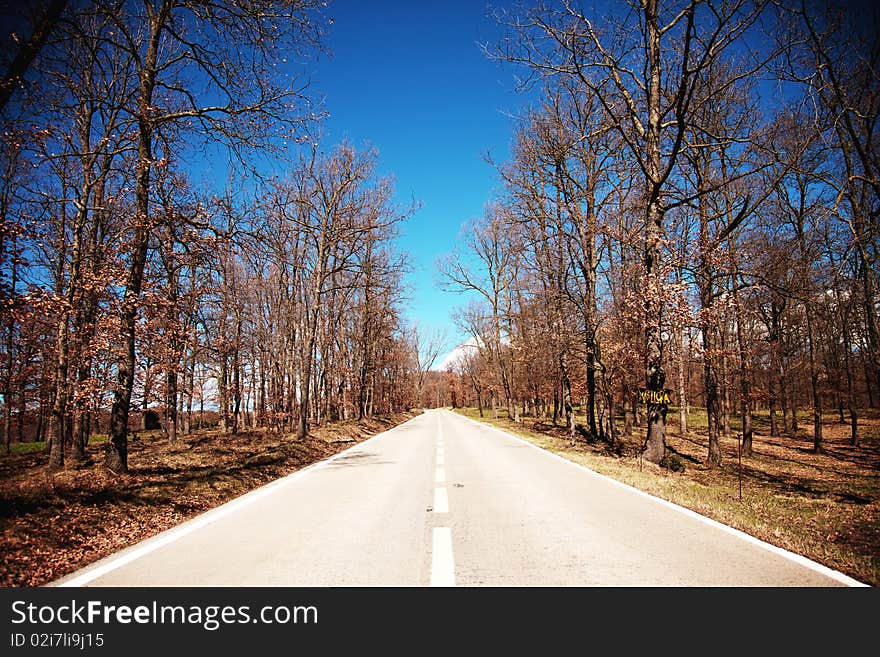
740 457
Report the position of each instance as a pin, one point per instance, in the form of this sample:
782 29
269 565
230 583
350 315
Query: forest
136 294
689 218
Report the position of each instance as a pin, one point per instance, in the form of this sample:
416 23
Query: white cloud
453 357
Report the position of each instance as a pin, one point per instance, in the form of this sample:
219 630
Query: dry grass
823 506
53 523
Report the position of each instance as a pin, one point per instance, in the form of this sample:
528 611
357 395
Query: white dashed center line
441 501
442 563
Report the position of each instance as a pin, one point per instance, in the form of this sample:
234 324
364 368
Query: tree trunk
654 448
788 425
7 421
171 403
725 386
682 390
223 390
304 407
774 383
79 439
869 386
236 380
83 404
591 386
60 436
814 386
40 433
871 319
771 403
566 399
713 410
116 455
744 381
710 321
850 388
810 318
628 415
188 384
57 434
10 353
261 405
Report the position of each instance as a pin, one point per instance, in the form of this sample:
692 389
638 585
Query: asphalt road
442 500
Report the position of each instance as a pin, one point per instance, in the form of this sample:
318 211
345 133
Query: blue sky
409 79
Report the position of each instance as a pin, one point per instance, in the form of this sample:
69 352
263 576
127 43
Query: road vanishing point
443 500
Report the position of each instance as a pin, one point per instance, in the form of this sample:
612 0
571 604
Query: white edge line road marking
441 501
797 558
442 562
143 548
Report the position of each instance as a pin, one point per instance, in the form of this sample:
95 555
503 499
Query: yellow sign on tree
648 396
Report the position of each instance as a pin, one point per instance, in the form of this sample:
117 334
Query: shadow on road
358 459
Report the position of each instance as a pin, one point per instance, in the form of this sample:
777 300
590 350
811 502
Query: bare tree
494 284
644 71
174 43
426 346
